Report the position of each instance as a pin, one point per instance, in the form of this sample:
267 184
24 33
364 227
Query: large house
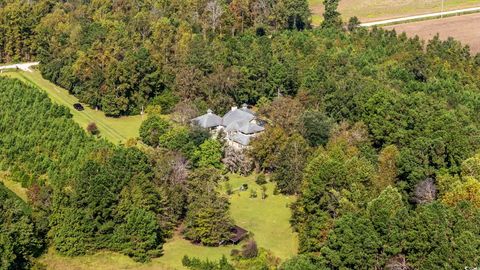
239 124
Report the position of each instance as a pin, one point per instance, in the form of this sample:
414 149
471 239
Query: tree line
375 133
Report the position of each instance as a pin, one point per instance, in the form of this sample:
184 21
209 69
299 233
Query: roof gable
236 115
250 128
208 120
241 139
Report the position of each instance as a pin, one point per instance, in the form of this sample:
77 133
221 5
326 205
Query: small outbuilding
239 234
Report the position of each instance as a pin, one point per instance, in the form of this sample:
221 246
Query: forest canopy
374 133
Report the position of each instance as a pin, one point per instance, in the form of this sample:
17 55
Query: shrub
261 179
276 191
264 192
235 252
253 193
92 128
250 250
153 109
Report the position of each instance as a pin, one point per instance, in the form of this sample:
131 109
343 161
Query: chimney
245 106
234 108
209 111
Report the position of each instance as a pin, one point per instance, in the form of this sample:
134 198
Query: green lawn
174 250
116 130
267 219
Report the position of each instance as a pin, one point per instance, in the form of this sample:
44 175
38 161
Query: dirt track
465 28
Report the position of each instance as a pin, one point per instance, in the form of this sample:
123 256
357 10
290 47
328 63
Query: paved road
22 66
419 17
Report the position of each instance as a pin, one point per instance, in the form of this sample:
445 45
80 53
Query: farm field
266 219
464 28
116 130
374 10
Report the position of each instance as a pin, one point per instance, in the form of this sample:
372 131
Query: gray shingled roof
236 115
246 109
235 126
241 138
250 128
208 120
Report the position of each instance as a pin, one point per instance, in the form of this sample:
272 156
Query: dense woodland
376 134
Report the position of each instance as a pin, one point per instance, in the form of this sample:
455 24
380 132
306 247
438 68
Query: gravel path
22 66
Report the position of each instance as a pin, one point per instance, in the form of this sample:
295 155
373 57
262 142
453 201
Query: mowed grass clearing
13 186
267 219
375 10
116 130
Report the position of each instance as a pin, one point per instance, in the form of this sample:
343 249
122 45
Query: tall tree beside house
265 148
207 221
316 127
284 112
140 235
290 163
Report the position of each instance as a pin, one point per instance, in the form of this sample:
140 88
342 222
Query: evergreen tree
207 220
20 242
331 17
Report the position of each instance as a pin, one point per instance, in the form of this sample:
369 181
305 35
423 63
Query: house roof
240 138
244 127
235 126
246 109
236 115
250 128
208 120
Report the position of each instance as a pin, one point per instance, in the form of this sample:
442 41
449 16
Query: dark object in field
238 235
78 107
93 129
